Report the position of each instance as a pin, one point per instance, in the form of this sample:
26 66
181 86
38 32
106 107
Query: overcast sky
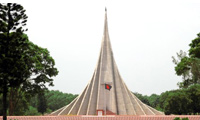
144 35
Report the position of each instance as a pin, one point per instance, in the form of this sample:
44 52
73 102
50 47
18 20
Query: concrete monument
106 93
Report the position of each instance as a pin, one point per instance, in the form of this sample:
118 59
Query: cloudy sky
144 34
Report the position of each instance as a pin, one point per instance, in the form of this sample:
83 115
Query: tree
42 103
175 102
194 53
31 111
194 94
154 100
54 99
41 67
18 101
188 66
24 65
183 68
1 105
182 101
12 18
57 99
194 50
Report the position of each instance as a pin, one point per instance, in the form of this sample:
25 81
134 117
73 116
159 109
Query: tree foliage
188 66
176 102
40 68
24 65
18 101
29 104
178 118
12 21
154 101
57 99
194 94
182 101
31 111
54 100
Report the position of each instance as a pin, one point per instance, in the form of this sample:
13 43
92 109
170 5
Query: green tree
183 68
194 94
177 102
188 66
181 101
18 101
41 65
42 69
57 99
12 18
24 65
162 99
174 102
194 50
31 111
54 99
42 103
154 101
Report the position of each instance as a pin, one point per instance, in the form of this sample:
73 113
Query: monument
106 93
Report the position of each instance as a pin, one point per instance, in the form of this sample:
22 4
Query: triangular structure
95 97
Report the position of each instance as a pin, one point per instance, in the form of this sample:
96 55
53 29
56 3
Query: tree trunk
14 96
5 91
5 87
5 82
11 106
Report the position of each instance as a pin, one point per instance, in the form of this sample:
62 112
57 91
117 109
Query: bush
178 118
185 119
32 111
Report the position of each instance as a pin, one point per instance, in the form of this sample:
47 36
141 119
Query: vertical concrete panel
100 97
57 111
156 112
75 107
129 106
136 105
67 108
91 110
145 108
119 95
84 104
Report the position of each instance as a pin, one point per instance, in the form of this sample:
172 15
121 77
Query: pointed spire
105 33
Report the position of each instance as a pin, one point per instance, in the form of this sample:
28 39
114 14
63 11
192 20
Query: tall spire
117 100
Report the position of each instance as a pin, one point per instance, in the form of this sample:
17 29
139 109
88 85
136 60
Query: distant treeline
181 101
38 104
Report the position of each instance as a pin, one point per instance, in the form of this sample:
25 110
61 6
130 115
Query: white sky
144 34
